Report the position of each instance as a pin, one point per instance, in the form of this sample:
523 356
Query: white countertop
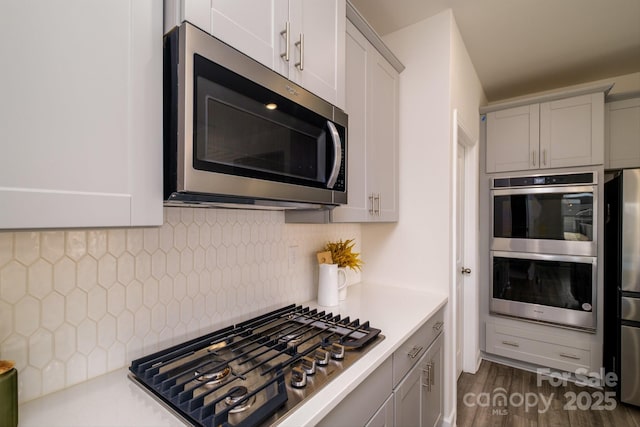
114 400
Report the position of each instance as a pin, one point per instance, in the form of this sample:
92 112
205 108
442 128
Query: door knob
464 270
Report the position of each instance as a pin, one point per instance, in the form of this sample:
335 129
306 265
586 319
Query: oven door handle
337 154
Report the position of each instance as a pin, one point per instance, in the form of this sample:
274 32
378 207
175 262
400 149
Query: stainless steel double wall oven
544 248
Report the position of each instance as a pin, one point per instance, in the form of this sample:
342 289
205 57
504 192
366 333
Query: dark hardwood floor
502 396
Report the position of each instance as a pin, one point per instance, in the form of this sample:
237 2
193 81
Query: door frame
471 356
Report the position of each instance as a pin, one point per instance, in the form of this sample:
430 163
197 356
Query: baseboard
450 420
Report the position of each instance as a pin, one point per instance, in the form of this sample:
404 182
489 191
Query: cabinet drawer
414 347
551 351
368 397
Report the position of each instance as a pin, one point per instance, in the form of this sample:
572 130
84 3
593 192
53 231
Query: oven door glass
529 218
242 128
557 289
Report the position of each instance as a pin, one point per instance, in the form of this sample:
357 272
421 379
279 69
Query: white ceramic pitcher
331 280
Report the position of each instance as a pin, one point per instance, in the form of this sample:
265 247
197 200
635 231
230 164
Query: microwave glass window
551 283
241 133
244 129
552 216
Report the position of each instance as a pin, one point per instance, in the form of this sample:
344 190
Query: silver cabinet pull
372 209
413 353
438 326
465 270
511 343
300 45
285 33
533 157
544 157
428 372
570 356
377 199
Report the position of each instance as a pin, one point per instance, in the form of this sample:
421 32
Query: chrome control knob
322 357
298 378
308 365
337 351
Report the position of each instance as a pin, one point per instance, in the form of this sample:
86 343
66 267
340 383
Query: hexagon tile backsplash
75 304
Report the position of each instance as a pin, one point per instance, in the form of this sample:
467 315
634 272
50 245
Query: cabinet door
572 131
408 398
252 27
358 51
81 114
384 416
512 139
320 56
382 141
372 105
433 388
622 122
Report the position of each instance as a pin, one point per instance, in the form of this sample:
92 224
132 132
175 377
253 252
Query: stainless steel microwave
236 132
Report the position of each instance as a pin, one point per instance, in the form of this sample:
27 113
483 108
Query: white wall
416 252
416 246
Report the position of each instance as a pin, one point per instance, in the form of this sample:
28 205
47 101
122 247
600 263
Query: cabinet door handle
544 157
511 343
300 45
570 356
372 209
285 33
428 372
438 326
533 157
377 199
413 353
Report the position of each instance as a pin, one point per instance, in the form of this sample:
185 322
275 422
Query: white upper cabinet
301 39
512 138
81 114
372 106
559 133
572 131
622 124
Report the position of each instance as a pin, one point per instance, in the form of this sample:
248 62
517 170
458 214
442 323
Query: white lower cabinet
384 416
406 390
364 403
565 350
418 398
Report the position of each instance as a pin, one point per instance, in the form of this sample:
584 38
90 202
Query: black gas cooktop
255 372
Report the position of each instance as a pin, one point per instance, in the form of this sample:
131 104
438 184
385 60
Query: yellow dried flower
343 255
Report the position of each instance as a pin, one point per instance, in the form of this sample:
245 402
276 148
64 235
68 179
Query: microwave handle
337 157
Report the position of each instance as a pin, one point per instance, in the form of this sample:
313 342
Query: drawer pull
511 343
438 326
570 356
415 351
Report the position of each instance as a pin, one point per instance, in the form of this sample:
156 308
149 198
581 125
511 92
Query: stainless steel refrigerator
622 281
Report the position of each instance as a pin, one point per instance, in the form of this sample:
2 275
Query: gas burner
291 340
236 396
213 373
